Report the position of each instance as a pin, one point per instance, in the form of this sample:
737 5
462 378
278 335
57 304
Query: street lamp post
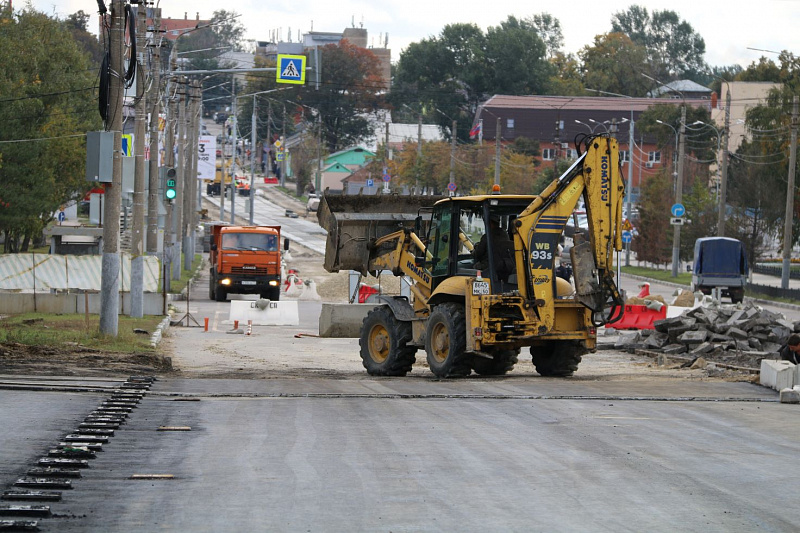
676 238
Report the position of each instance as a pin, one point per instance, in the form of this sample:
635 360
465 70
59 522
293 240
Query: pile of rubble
739 334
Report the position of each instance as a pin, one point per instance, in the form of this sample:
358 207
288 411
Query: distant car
313 203
220 118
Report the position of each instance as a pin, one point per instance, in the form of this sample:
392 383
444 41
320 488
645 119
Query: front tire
502 363
446 341
384 342
558 358
220 294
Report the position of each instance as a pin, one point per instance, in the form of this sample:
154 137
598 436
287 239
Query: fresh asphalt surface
400 454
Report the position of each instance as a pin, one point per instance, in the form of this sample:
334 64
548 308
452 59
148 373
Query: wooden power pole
109 275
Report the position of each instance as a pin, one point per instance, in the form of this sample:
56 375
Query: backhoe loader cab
475 233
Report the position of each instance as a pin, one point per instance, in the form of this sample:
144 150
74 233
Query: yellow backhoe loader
482 271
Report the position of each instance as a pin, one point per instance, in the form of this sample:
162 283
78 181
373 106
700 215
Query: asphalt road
419 455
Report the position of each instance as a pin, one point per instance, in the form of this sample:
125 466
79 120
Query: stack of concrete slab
715 328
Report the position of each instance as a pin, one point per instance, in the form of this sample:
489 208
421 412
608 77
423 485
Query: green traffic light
170 194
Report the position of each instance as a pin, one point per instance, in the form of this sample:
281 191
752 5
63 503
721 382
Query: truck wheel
737 295
384 344
220 294
446 341
558 358
503 362
211 283
274 294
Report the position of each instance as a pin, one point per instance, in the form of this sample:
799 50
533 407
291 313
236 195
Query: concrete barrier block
342 320
777 375
790 395
280 313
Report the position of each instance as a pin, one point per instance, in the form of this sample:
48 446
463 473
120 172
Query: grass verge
176 286
684 278
66 331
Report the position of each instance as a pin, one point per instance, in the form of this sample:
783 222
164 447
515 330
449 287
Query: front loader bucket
354 222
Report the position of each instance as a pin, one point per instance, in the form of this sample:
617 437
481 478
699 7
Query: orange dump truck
245 260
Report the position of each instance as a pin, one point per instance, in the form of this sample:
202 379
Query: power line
43 138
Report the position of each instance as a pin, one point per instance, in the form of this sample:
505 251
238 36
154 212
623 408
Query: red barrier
364 292
638 317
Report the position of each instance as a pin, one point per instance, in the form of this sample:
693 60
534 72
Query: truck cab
245 260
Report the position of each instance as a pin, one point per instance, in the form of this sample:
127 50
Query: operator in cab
502 250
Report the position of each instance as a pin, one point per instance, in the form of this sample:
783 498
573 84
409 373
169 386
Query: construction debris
740 334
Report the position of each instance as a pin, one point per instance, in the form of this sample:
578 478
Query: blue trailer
720 262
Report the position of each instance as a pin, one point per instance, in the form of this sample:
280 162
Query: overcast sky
728 27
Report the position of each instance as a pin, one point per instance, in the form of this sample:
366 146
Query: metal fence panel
16 271
42 272
49 271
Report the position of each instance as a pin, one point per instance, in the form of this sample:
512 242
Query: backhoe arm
596 177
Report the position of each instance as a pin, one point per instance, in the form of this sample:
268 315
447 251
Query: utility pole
180 178
169 162
109 275
629 192
190 202
676 236
154 100
419 153
557 142
319 155
284 148
252 157
497 153
453 156
723 186
138 234
233 166
789 214
223 173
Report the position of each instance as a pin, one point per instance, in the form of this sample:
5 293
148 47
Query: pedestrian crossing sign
291 69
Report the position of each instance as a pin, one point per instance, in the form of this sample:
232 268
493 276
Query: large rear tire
558 358
502 363
385 348
211 283
446 341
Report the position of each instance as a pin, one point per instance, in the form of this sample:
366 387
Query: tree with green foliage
78 25
674 49
614 64
47 103
653 244
448 76
549 30
758 170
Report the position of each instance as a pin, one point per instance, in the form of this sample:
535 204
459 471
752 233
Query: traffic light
169 190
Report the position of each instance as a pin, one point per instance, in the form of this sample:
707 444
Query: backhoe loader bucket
354 222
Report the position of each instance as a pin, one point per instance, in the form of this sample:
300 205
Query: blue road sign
291 69
61 216
387 178
678 210
451 187
627 237
370 182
